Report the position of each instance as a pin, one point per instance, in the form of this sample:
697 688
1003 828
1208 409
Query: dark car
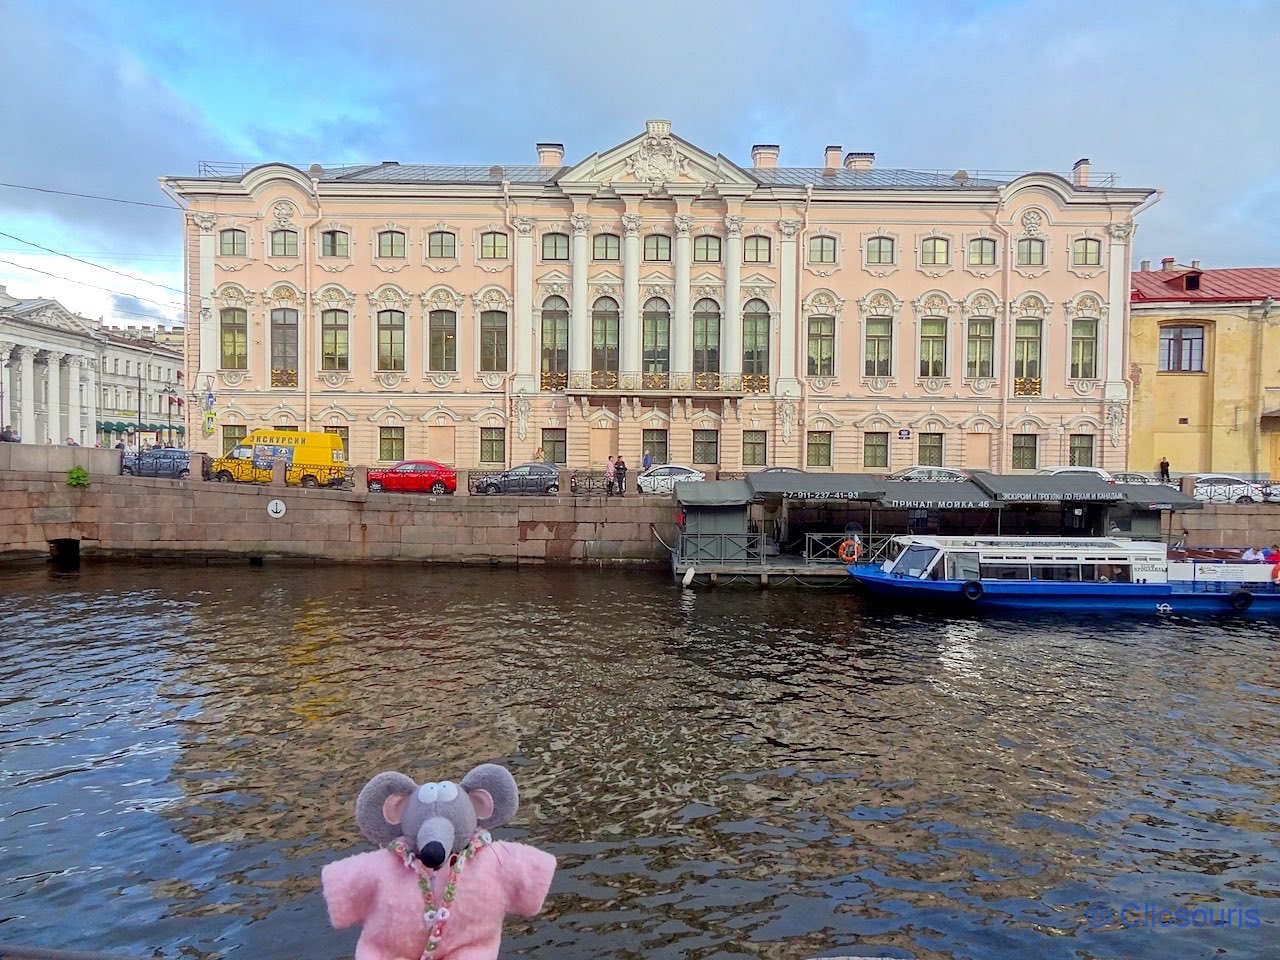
157 462
536 478
414 476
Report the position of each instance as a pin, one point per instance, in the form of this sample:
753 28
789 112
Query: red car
414 476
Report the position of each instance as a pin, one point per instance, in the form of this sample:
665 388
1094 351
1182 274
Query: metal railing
721 548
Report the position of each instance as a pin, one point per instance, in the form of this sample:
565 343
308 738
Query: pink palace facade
655 296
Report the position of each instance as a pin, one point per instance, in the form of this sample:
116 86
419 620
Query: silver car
934 474
661 479
1225 488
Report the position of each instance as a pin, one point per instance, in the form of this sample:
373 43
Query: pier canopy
716 493
1157 496
815 486
934 495
1048 488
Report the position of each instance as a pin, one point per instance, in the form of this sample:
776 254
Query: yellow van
314 459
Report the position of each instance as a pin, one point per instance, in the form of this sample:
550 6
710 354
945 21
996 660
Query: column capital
523 225
27 353
631 224
1120 231
203 221
684 223
789 228
580 222
733 225
53 357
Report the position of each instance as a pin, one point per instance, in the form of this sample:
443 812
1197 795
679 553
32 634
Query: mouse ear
381 804
492 786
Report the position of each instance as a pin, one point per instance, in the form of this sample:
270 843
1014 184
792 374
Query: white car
1141 478
1077 472
660 479
1224 488
935 474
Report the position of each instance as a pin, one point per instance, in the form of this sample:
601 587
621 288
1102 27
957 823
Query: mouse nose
432 854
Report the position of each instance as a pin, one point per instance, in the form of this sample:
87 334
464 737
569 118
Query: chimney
1167 263
1080 173
1195 264
859 161
550 154
764 155
1144 266
832 159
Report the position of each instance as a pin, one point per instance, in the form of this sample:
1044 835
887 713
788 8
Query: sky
104 97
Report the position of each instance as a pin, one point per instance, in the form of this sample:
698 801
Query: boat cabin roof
1048 549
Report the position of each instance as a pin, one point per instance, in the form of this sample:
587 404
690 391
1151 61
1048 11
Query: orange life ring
850 550
1275 572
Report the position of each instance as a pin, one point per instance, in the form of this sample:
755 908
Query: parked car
780 470
414 476
157 462
662 478
1224 488
1077 472
535 478
1140 478
943 474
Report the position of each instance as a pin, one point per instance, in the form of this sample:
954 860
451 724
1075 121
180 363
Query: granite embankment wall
198 520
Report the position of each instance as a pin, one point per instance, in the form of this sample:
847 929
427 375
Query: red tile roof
1216 286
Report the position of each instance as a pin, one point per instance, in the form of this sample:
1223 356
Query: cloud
130 306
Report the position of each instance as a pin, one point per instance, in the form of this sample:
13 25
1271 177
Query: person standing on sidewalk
1164 469
620 475
608 477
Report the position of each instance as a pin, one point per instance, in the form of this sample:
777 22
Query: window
555 246
656 321
875 449
284 243
655 441
981 348
706 446
1086 252
757 250
442 348
284 348
391 443
334 340
822 346
233 435
1030 253
1025 451
493 246
1084 349
1026 349
1182 349
818 449
706 249
879 347
333 243
441 245
935 251
233 243
982 252
933 347
555 444
1081 450
391 243
657 247
343 434
493 341
555 340
235 340
755 449
606 246
493 445
880 250
391 341
929 449
604 336
706 337
755 339
822 249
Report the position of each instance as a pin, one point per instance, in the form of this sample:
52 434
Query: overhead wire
89 263
90 196
118 293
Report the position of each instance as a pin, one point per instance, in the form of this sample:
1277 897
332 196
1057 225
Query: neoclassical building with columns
655 296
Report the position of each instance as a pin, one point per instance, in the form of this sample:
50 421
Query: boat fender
850 550
1241 600
972 589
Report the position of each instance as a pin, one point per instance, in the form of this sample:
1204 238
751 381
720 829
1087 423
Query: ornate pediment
655 159
50 313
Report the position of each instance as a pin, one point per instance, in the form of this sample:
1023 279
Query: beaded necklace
435 914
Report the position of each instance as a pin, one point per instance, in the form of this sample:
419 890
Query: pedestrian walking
608 477
646 461
1164 469
620 475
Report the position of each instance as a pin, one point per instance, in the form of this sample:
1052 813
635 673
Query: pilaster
681 325
631 334
788 381
731 354
579 311
53 407
526 379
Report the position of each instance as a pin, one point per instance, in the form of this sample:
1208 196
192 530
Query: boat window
915 560
962 566
1108 572
1005 571
1055 571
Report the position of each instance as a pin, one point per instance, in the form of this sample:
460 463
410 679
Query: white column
681 324
788 380
1118 310
209 359
27 394
524 336
731 355
579 310
91 371
6 384
53 407
74 425
632 333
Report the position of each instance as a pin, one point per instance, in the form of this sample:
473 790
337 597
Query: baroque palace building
656 296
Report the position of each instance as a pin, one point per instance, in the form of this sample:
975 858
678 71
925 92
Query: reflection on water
722 774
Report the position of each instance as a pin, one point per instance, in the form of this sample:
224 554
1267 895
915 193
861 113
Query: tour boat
1093 575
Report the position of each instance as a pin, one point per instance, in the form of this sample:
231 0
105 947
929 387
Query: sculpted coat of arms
657 161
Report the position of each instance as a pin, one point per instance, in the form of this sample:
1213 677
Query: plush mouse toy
439 887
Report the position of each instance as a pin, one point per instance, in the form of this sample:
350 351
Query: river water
721 774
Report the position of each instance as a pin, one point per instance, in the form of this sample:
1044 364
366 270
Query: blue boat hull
1074 597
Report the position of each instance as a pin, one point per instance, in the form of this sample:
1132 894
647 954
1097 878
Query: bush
77 477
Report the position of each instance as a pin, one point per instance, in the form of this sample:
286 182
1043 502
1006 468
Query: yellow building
1205 365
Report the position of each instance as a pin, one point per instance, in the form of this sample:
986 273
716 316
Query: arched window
1026 357
284 347
233 243
1030 252
555 246
391 244
335 332
880 250
822 346
606 246
982 252
555 343
442 349
878 346
755 347
1084 348
981 347
656 357
441 245
935 251
1086 252
706 249
933 347
390 339
284 243
657 247
235 339
706 337
493 246
334 243
493 341
604 343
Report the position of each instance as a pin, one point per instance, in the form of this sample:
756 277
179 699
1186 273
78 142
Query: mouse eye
448 791
428 792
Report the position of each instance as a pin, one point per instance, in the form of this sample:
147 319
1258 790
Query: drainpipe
506 381
1259 342
801 347
304 347
1006 378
